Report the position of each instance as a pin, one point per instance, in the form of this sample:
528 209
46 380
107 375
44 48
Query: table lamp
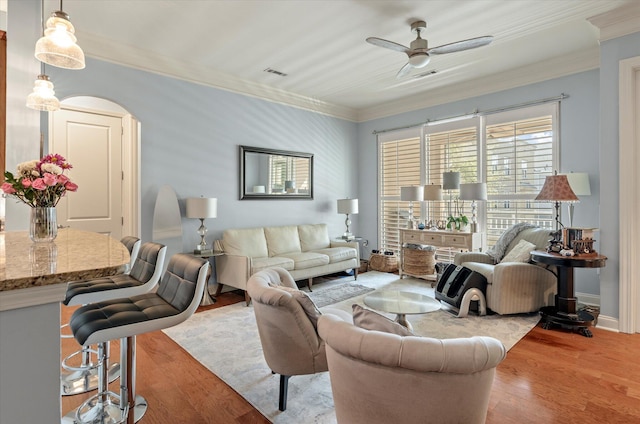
450 181
579 182
473 192
432 193
556 189
411 194
202 208
347 207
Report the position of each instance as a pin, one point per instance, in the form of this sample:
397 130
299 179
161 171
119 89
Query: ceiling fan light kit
419 52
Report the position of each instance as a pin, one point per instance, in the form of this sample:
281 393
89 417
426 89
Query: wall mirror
275 174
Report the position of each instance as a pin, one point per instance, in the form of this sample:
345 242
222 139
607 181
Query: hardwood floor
550 376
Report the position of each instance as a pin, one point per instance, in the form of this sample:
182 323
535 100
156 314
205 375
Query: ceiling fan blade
459 46
387 44
404 70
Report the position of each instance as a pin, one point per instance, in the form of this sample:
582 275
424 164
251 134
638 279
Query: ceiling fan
419 53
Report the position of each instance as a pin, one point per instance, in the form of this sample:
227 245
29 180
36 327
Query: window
511 151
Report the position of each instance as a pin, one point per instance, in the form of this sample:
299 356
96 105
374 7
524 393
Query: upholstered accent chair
379 377
518 286
286 319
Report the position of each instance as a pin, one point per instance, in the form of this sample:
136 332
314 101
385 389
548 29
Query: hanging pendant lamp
58 45
43 97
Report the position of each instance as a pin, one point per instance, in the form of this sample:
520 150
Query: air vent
273 71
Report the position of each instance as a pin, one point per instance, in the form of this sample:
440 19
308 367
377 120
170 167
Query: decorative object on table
411 194
556 189
579 240
457 221
58 45
473 192
202 208
347 207
579 182
421 226
450 181
40 184
432 192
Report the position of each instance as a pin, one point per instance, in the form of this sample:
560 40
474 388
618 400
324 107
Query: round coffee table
401 303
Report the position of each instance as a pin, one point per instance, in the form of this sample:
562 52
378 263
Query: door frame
629 196
131 131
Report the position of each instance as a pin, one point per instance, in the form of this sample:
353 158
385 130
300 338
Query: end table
206 297
565 314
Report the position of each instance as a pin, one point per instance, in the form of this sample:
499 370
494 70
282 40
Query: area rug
338 293
226 341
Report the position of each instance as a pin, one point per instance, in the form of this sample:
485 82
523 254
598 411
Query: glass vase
43 227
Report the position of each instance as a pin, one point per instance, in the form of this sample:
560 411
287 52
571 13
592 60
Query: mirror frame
245 195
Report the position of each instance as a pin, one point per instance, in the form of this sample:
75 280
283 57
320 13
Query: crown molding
618 22
540 71
99 48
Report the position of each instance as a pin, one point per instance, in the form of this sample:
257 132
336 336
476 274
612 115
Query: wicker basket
418 262
383 263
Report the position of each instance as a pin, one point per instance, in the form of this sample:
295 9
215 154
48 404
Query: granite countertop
73 255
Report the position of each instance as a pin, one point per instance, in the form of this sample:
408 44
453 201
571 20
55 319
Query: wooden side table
565 314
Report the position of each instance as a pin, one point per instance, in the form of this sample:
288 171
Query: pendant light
58 45
43 97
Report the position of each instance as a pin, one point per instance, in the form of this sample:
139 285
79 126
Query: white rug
226 341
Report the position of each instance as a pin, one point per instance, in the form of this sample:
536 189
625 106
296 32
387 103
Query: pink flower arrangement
40 183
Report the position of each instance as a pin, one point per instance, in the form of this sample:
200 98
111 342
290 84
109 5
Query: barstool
144 275
177 298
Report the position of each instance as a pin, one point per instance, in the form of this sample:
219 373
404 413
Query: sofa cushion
308 305
370 320
304 260
337 254
245 242
520 253
313 237
283 239
258 264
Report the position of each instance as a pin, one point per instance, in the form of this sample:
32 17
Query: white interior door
92 144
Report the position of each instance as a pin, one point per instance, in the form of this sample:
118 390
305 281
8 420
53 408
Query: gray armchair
290 342
515 287
381 378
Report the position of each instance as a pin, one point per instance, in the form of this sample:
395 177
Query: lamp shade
432 192
58 45
556 188
347 206
412 193
579 182
201 207
43 97
473 191
451 180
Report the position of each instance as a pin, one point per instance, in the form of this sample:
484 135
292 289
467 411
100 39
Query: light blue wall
611 52
190 139
579 129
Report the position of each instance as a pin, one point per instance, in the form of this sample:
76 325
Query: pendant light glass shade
58 45
43 96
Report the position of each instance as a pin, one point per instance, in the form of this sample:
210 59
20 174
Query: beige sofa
306 251
515 287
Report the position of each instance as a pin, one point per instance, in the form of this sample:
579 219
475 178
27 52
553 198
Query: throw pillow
370 320
305 301
521 252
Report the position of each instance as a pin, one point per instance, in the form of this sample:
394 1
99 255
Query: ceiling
321 46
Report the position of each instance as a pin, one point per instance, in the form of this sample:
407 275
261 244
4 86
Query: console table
33 282
455 240
565 314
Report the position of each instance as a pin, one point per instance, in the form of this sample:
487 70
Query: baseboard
588 299
604 322
608 323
